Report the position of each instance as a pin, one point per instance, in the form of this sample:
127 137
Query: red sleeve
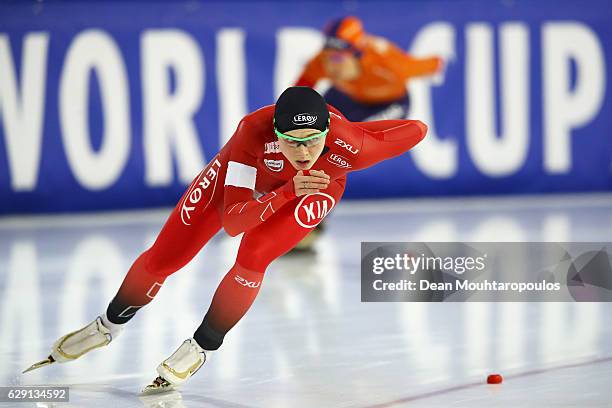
241 211
333 109
384 139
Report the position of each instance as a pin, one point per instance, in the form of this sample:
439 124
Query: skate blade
35 366
158 386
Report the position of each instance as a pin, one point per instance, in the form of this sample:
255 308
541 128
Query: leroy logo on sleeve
340 161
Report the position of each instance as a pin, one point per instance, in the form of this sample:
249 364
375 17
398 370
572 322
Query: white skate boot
179 367
75 344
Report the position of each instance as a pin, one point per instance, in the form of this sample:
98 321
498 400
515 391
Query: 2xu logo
197 189
347 146
247 283
312 208
339 161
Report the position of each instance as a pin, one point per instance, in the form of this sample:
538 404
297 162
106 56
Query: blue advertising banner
108 105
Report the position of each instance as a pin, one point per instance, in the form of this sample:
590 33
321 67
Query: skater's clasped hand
313 183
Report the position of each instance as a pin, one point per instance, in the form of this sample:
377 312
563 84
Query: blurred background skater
278 154
369 76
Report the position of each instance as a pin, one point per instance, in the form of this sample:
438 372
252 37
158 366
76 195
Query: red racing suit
248 188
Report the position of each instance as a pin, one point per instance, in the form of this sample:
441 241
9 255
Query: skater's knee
159 264
256 261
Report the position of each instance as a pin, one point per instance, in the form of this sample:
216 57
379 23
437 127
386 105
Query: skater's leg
233 297
192 223
175 246
181 238
258 249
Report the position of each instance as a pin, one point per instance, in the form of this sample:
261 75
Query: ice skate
75 344
179 367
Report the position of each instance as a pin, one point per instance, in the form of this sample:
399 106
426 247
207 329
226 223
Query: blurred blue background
112 105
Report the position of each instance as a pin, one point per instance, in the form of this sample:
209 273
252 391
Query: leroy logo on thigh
195 193
312 208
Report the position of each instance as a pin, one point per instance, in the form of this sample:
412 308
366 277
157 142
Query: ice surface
308 341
